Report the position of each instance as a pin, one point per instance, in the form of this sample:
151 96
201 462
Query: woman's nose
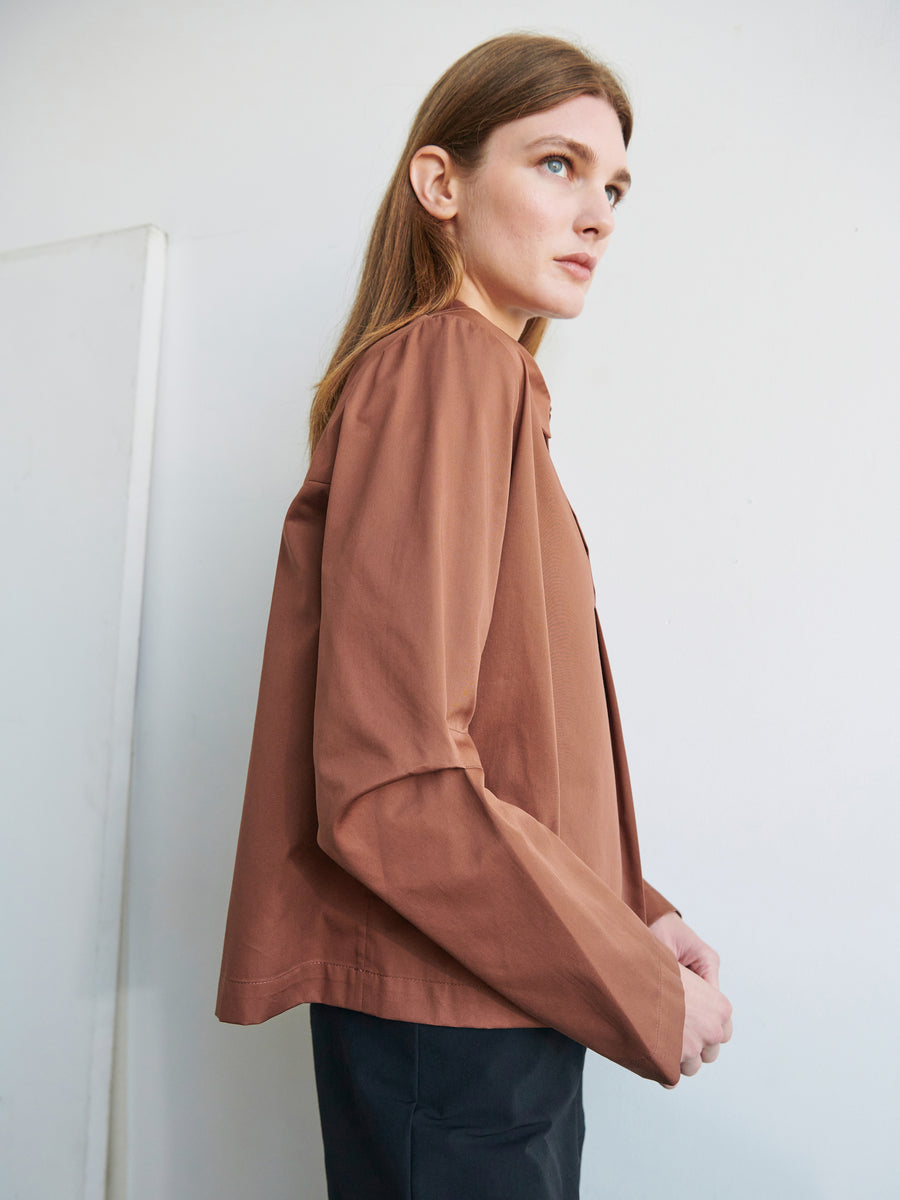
596 215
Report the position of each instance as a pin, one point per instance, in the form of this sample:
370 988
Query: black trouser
430 1112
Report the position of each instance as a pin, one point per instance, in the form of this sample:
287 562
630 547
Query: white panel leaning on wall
80 325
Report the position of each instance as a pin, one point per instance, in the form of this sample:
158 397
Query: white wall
724 420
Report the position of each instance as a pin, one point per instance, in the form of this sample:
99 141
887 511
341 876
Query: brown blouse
438 823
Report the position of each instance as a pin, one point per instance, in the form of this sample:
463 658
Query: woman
438 849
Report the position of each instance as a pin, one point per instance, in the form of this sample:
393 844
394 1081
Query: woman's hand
707 1013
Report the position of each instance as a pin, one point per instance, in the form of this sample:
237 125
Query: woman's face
535 218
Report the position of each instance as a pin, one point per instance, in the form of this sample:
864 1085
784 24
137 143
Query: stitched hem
326 962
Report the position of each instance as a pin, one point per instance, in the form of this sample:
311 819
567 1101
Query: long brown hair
412 265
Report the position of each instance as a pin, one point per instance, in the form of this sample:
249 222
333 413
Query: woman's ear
434 179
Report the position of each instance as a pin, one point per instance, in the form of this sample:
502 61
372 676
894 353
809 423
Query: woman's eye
556 164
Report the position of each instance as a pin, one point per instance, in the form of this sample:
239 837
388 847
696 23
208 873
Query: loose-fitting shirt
438 822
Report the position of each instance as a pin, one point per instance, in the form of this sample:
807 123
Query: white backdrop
725 420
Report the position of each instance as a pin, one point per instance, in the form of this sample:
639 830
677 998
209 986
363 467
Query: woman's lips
579 265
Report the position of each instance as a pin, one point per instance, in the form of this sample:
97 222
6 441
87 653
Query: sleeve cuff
655 904
671 1019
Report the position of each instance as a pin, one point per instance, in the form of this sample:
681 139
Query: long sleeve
415 530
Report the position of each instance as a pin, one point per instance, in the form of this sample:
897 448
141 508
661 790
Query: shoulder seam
510 347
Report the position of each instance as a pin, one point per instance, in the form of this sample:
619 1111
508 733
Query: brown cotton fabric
438 823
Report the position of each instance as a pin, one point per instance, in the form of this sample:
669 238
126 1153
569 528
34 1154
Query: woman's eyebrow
579 150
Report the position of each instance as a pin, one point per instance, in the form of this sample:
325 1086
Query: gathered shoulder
461 328
452 363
